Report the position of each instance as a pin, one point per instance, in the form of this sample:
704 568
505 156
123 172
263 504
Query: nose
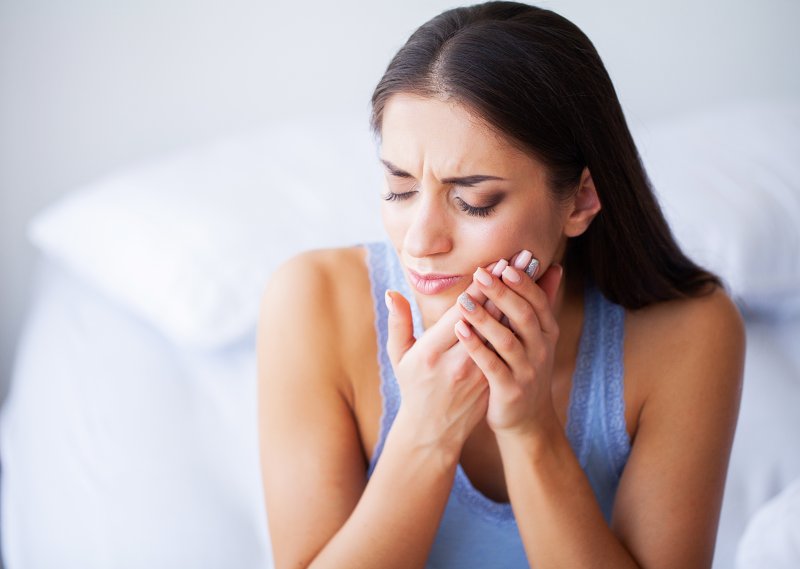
429 231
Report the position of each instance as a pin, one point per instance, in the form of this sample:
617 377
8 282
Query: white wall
89 86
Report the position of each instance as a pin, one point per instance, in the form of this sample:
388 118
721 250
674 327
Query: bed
129 435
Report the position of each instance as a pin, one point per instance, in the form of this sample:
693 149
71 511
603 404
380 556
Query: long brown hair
534 76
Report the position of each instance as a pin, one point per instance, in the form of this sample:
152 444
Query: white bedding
765 457
119 450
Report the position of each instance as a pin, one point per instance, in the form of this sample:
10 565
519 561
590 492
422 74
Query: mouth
432 283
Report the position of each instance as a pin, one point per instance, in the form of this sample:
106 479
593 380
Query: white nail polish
523 259
499 267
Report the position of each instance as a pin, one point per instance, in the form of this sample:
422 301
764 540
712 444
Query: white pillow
772 538
190 241
729 183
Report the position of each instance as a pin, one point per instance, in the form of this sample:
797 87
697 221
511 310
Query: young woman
529 372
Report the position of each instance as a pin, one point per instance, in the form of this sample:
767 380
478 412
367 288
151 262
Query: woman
478 417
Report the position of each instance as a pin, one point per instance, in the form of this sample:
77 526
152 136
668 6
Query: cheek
394 223
522 230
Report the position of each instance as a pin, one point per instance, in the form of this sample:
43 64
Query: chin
433 307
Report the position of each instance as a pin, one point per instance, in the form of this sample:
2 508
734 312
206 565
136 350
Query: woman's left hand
519 369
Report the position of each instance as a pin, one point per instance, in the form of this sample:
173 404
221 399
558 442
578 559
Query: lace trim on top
385 273
619 446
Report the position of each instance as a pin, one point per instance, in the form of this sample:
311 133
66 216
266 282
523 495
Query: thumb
401 326
550 281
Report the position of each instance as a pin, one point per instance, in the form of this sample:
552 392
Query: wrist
535 436
414 441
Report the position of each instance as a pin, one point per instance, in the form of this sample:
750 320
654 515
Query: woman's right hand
444 394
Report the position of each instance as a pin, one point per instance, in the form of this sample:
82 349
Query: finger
492 309
550 282
496 371
490 306
439 337
458 358
534 294
521 315
503 340
400 326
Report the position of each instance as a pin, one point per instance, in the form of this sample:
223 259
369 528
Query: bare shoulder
687 348
312 295
317 270
702 326
321 279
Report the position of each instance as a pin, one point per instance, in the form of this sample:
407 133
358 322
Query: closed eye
473 210
391 196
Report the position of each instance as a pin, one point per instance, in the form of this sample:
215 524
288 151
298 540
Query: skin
500 413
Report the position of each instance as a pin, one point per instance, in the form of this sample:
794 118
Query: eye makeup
476 211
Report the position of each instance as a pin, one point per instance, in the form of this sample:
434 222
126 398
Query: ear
582 207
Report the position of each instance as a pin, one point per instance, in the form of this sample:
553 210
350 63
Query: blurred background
130 438
90 86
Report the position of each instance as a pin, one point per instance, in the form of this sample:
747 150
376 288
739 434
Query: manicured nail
523 259
465 301
483 277
532 267
389 302
510 274
463 329
498 268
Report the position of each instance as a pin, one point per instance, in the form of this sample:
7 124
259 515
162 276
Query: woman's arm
321 510
668 501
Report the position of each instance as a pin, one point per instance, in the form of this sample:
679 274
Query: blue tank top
475 531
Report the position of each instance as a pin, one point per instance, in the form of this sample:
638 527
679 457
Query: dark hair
534 76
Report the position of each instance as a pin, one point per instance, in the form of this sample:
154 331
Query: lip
432 283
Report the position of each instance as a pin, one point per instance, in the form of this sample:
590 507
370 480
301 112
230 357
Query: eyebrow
460 181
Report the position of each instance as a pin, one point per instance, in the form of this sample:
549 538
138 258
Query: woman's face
458 196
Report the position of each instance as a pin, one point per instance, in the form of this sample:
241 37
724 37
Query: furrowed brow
467 181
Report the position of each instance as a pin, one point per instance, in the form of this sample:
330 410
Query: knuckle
430 360
527 316
540 354
479 315
507 341
461 373
516 395
537 303
495 365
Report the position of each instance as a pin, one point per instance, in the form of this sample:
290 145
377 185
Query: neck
569 294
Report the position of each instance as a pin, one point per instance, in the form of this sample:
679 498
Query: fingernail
465 301
523 259
463 329
483 277
389 302
511 275
498 268
532 267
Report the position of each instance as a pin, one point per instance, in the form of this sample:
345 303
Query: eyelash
463 206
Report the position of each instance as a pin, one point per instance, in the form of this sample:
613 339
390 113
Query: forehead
447 137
